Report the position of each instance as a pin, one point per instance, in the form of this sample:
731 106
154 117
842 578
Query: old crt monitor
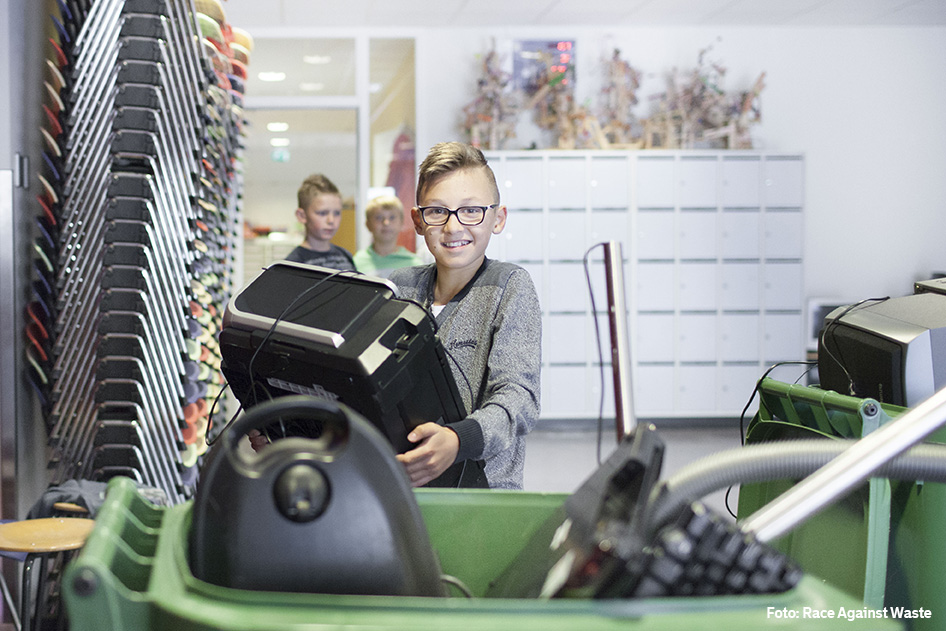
302 329
892 350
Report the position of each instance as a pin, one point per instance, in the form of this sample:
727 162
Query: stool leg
61 621
8 601
25 617
39 609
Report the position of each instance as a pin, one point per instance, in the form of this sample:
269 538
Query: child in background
384 217
320 213
488 317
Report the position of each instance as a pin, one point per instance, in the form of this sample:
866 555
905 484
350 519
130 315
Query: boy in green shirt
384 217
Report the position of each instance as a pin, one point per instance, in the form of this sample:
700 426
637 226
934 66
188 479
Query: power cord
460 585
594 317
834 323
755 390
269 333
469 387
742 416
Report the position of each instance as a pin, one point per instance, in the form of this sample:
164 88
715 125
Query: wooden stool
38 539
65 509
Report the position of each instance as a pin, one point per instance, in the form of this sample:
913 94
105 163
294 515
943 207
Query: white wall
865 106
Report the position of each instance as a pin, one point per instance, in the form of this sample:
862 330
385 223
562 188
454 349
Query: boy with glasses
488 317
320 213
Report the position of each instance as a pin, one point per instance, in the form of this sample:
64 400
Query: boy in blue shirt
320 213
488 317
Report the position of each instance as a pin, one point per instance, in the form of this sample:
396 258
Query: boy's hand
436 450
257 440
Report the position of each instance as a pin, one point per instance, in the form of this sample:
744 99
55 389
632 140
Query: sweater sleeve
509 405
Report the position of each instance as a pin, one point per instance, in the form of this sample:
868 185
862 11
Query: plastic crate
884 543
133 574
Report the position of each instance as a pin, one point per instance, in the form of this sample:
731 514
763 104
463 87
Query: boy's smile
457 247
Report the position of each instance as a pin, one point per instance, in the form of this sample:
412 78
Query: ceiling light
316 60
279 142
374 88
277 127
272 76
311 87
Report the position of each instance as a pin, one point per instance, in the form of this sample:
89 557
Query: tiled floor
560 460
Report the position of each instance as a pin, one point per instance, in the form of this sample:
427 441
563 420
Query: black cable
460 585
834 323
469 386
742 417
210 417
281 317
726 504
755 390
594 317
269 333
428 314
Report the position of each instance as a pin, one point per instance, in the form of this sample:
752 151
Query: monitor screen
892 350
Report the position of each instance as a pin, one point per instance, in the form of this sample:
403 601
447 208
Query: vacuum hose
791 459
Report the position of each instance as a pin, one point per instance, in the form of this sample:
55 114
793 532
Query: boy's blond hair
447 157
313 186
383 202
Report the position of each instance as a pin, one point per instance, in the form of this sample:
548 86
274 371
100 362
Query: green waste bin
133 574
883 544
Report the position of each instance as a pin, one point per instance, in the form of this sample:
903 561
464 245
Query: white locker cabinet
610 225
735 385
524 236
653 236
783 235
697 235
784 332
740 182
609 183
567 183
653 338
696 338
568 289
653 386
521 183
739 286
739 337
655 287
655 182
696 288
783 287
570 340
567 235
565 390
739 235
783 182
713 244
696 182
695 392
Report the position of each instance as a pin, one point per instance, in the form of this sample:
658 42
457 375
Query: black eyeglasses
466 215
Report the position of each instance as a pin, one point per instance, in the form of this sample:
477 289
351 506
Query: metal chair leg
10 604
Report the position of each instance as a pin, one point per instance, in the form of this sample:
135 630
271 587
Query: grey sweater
492 332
